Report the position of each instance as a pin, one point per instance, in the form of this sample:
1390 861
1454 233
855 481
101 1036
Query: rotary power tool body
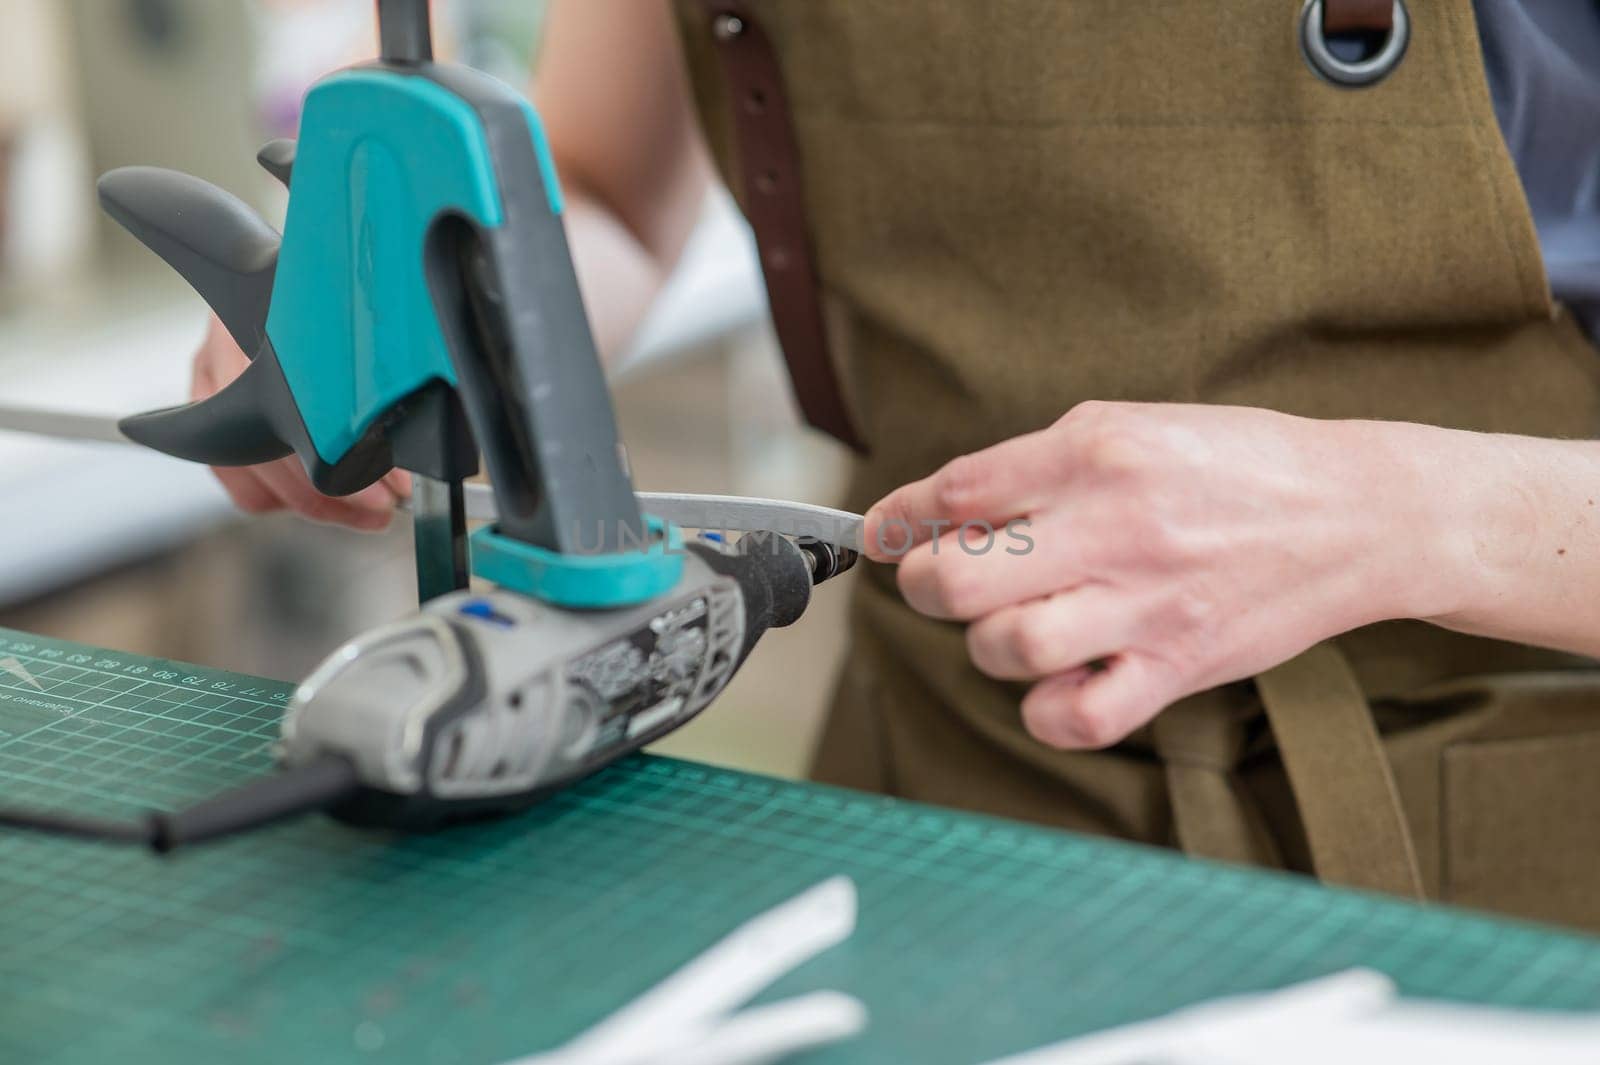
483 703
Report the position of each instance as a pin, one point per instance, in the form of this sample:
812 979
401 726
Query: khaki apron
1018 205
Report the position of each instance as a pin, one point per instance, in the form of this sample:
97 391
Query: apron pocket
1521 826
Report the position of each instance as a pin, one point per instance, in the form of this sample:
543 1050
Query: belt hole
1352 60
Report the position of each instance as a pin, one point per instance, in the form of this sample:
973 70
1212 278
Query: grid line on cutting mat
312 941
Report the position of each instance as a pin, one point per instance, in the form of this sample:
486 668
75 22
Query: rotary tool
420 309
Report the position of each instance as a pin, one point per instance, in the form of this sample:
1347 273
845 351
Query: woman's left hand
1143 552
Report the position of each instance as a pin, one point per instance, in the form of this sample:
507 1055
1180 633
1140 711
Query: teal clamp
585 581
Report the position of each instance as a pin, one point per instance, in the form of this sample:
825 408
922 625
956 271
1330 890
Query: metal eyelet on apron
1352 74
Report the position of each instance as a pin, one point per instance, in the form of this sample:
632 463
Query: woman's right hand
283 485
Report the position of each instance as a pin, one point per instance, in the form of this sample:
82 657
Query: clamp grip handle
229 255
208 235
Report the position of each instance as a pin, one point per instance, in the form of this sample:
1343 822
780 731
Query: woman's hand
1143 552
283 485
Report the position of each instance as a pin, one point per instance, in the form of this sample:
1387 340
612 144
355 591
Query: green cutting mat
314 942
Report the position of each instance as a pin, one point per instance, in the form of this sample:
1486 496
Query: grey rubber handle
277 158
210 236
251 420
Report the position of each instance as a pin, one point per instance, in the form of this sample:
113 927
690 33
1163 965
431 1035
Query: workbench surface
315 942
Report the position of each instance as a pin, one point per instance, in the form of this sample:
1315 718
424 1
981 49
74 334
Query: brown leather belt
771 195
1357 16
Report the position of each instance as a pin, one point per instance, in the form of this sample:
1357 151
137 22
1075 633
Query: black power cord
314 786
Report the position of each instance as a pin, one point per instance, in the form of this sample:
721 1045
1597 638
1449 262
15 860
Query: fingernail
869 528
885 538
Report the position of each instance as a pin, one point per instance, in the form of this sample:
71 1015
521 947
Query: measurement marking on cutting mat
17 669
44 704
112 667
92 680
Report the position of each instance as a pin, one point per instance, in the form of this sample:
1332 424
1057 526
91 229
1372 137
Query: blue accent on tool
381 156
585 581
484 610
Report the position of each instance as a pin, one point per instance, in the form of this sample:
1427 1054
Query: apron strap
1199 741
769 179
1340 775
1337 770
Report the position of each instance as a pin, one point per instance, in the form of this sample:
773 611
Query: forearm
1171 548
619 276
626 143
1512 547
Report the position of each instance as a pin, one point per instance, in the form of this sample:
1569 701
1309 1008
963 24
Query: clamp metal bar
722 513
405 34
439 532
63 425
712 513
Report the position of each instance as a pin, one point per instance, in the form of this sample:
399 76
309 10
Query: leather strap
1357 16
1337 768
769 176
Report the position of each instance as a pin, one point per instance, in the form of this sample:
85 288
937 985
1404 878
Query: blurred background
112 546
